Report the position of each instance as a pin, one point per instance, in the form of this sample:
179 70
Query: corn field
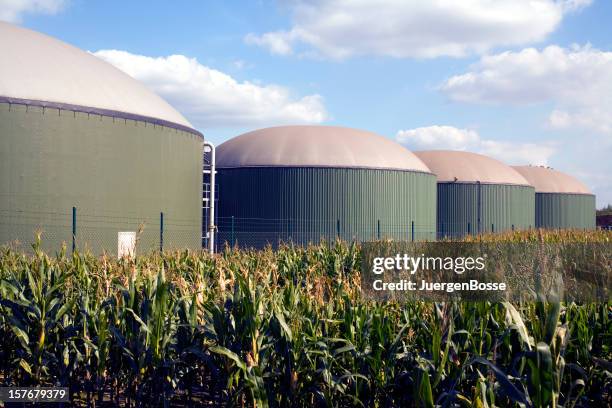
286 327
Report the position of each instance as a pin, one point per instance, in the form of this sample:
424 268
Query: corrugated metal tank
561 200
77 132
302 184
478 194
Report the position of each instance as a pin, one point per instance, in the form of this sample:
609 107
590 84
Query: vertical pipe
161 231
73 229
412 230
492 227
211 200
378 230
469 229
479 204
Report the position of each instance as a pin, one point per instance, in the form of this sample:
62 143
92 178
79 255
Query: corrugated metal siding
503 207
303 205
118 173
556 210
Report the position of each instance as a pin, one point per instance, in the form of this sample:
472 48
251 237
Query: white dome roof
547 180
36 68
316 146
466 167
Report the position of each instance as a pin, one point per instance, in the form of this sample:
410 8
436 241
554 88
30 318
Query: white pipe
211 199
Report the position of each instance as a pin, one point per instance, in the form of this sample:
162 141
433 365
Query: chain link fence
260 232
99 233
96 233
455 230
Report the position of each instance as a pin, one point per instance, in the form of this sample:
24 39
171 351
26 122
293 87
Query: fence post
469 229
73 229
412 229
378 230
289 230
492 227
161 231
232 240
338 228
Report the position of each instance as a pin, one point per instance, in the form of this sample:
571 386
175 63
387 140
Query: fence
259 232
96 233
455 230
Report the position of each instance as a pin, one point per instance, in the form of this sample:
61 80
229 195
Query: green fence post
73 229
161 231
232 238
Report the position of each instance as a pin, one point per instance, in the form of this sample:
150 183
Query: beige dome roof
316 146
466 167
546 180
36 68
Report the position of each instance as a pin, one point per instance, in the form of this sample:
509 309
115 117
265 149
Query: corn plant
289 327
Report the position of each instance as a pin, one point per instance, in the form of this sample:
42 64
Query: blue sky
526 82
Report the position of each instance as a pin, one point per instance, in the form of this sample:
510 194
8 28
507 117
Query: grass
287 328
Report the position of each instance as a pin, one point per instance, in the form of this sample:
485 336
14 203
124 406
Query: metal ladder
210 197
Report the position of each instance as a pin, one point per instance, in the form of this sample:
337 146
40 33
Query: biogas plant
77 133
88 153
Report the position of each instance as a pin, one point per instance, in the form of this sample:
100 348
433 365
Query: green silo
305 183
478 194
561 201
77 132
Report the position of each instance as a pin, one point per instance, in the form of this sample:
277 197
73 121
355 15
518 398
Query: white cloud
240 64
576 80
277 43
13 10
436 137
211 98
518 153
340 29
452 138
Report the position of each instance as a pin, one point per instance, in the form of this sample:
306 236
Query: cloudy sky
526 81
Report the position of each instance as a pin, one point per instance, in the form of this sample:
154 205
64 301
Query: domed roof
466 167
41 70
316 146
547 180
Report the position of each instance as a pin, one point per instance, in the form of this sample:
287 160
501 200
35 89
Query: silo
77 132
561 201
305 183
478 194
